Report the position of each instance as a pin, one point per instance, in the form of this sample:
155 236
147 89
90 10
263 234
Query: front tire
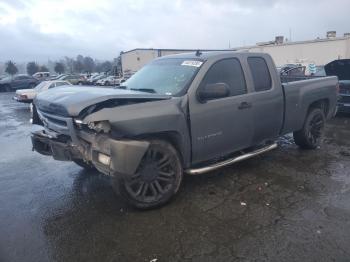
309 137
157 179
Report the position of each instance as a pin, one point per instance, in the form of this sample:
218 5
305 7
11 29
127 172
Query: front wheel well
171 137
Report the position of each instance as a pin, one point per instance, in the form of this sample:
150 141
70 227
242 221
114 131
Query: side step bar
201 170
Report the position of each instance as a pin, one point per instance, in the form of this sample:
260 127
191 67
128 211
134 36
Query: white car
109 81
27 95
42 75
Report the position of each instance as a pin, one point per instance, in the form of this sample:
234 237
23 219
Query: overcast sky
40 30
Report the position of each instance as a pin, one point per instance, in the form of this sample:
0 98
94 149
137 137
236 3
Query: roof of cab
208 55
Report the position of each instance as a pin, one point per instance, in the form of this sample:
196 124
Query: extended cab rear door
223 125
267 98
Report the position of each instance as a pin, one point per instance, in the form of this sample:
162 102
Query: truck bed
301 93
288 79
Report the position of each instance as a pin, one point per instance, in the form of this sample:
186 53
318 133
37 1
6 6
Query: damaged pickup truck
186 113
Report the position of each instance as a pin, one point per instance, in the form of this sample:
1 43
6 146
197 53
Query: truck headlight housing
104 159
100 126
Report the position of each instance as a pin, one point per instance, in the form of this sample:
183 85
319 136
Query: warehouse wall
135 59
316 52
319 52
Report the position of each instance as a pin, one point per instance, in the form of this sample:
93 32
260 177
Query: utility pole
290 34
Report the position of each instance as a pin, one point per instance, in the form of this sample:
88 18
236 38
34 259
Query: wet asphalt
285 205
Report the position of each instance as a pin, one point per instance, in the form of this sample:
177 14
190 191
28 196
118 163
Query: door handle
244 105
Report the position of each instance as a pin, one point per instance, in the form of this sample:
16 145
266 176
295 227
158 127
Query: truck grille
58 124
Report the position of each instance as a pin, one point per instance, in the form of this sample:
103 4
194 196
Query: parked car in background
3 76
94 79
292 70
42 75
109 81
53 76
73 79
341 69
12 83
185 113
27 95
57 76
127 74
320 71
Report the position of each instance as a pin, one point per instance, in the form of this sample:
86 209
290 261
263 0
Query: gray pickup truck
187 113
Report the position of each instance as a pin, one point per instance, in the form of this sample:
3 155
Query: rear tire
309 137
157 179
83 164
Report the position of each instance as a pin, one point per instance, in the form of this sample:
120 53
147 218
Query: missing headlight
101 126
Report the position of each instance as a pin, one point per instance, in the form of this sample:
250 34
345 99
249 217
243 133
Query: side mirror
213 91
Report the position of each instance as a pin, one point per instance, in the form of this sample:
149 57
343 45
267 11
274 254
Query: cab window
260 73
228 71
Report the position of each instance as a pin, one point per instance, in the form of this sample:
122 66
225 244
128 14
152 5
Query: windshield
40 86
165 76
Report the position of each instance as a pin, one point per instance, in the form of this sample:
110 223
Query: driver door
224 125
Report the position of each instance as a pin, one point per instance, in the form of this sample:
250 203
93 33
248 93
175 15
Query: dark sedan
12 83
341 69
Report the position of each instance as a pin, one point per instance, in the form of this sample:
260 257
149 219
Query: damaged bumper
108 155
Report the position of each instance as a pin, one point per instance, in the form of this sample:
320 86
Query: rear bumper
108 155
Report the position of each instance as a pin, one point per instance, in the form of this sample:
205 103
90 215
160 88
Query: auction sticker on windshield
192 63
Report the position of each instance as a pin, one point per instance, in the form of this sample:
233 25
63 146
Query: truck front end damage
66 139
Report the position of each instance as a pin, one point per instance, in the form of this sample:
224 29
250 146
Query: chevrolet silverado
186 113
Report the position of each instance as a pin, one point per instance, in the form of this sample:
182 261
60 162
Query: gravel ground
285 205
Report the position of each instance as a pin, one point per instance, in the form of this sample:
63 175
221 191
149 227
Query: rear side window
61 83
22 77
227 71
260 73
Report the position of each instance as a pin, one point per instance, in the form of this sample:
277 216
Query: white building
317 51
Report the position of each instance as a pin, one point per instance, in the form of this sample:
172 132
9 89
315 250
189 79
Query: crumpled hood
70 101
339 68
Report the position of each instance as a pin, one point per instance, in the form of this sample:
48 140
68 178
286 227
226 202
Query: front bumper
108 155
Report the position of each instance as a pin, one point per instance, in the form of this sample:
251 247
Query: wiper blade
148 90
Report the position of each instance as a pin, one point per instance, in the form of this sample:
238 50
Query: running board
201 170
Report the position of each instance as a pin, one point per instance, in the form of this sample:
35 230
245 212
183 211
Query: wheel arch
176 140
321 104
